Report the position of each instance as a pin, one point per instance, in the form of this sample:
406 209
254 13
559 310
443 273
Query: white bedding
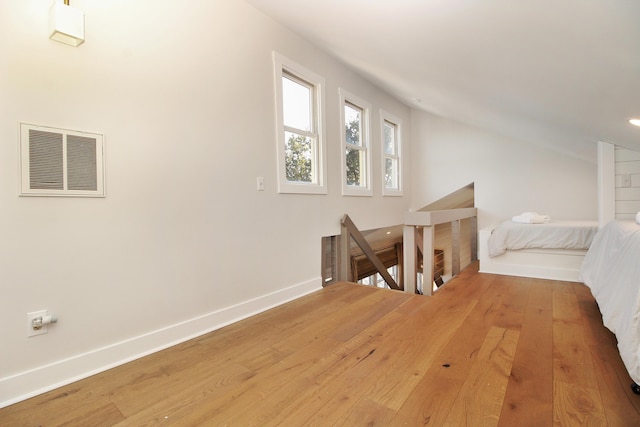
611 269
510 235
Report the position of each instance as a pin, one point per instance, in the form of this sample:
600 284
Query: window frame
386 117
347 98
282 67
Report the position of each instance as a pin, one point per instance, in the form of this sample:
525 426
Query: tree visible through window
391 155
298 112
297 160
355 145
390 160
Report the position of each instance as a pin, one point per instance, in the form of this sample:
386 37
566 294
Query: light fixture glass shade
66 24
635 122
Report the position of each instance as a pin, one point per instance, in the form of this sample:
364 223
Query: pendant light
66 24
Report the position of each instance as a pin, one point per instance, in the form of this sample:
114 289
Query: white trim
365 129
281 63
385 116
606 183
23 385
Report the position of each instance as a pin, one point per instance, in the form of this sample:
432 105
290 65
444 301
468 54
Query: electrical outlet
33 316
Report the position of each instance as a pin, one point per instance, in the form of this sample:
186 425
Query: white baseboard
24 385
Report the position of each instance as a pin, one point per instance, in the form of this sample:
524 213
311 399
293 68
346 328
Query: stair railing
427 221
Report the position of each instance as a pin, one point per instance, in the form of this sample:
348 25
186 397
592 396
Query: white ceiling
560 73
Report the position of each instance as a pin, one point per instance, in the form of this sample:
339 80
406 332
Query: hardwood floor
485 350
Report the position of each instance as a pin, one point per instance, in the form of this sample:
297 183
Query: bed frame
553 264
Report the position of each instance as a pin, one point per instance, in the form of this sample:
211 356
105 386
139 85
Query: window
391 155
356 158
300 128
60 162
377 280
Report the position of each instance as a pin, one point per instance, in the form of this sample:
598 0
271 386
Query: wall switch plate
31 331
260 183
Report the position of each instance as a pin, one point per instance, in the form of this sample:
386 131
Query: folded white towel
531 218
638 217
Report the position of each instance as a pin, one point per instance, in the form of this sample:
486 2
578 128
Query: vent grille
45 160
58 162
81 163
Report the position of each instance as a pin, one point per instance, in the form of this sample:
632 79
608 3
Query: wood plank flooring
485 350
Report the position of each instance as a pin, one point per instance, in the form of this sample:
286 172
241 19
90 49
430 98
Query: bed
611 269
553 250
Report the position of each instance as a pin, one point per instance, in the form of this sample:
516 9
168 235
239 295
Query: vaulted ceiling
559 73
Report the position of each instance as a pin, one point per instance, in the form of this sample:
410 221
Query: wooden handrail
429 218
349 230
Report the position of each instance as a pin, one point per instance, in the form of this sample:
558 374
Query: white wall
183 242
627 182
510 177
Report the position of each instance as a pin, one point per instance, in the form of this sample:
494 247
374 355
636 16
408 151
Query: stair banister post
455 247
427 260
345 252
410 252
474 238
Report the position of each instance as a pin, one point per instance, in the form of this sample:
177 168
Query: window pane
352 123
298 158
391 173
296 103
355 167
389 138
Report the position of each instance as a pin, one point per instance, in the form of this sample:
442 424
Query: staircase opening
387 245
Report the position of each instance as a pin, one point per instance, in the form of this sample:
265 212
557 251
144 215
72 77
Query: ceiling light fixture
66 24
635 122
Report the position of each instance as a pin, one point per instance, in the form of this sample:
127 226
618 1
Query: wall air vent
60 162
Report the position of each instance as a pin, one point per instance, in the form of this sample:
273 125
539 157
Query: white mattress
611 269
510 235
